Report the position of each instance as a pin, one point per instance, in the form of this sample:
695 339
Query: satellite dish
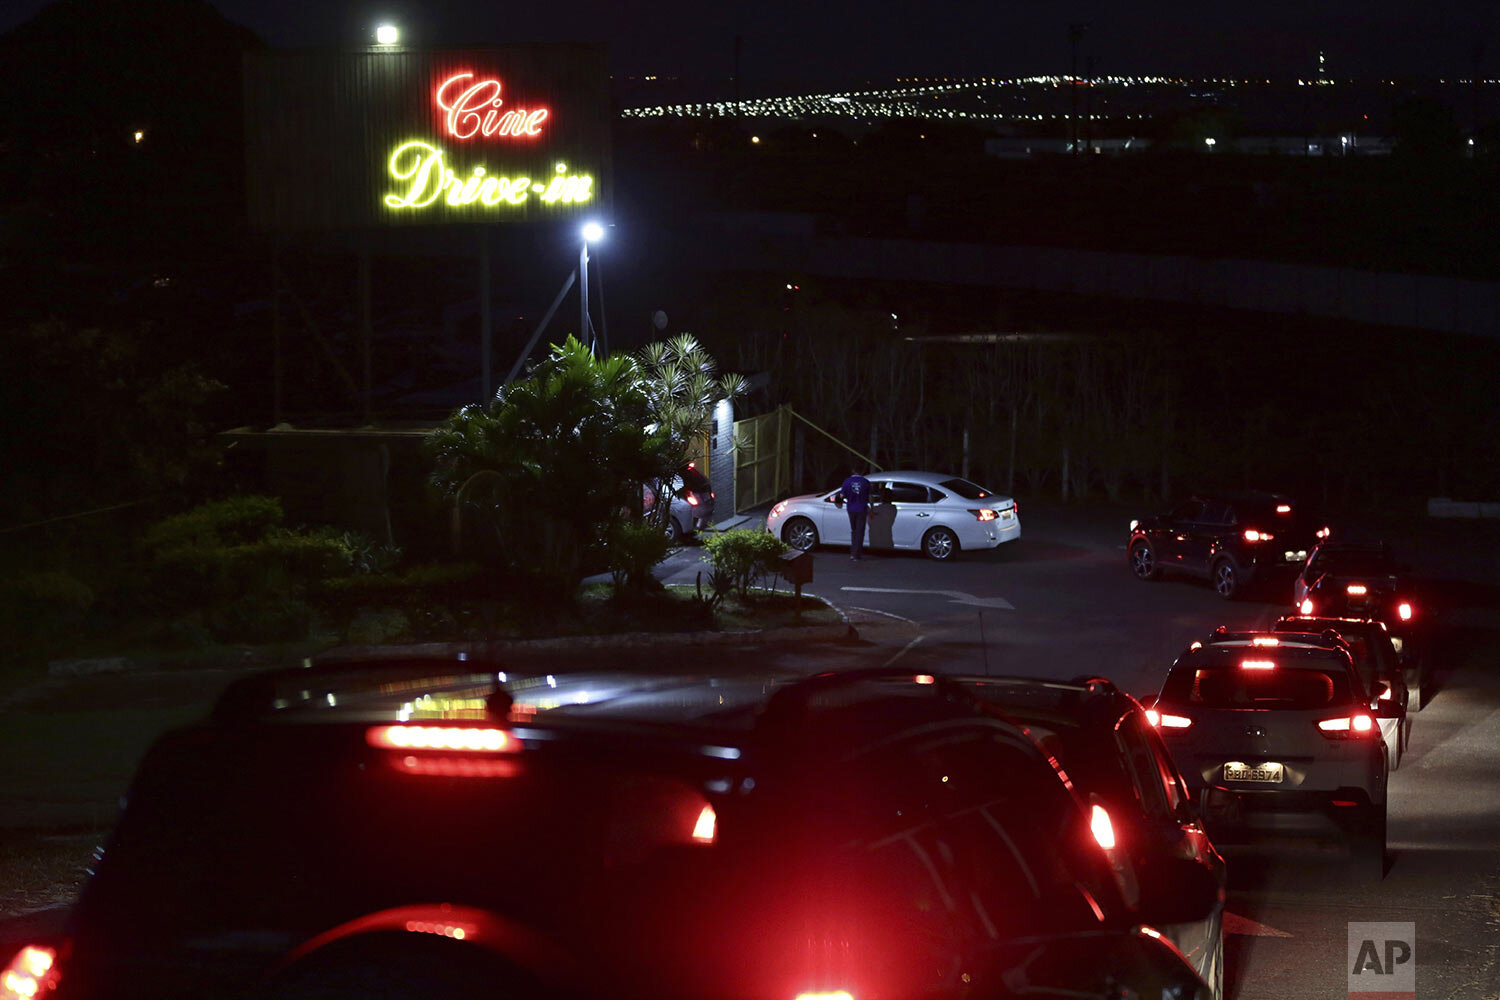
659 320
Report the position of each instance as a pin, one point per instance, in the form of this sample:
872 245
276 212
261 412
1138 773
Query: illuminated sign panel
398 137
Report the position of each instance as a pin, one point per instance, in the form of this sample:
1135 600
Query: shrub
229 521
745 556
635 547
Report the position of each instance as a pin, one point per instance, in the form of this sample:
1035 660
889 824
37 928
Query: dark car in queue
456 830
1234 540
1378 666
1275 734
690 503
1111 750
1343 579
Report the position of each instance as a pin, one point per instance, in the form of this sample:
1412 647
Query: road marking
888 614
902 652
954 596
1236 924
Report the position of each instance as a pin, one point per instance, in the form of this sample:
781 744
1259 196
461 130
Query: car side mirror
1178 891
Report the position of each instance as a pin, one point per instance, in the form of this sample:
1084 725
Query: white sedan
935 513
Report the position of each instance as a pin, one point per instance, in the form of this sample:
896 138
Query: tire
1367 844
1416 683
800 533
1143 561
673 531
1225 576
1216 982
940 543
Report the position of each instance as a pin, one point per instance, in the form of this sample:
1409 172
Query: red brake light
827 995
925 679
1283 508
1347 726
1404 610
1015 508
31 972
1265 640
468 739
1306 607
692 500
1387 694
706 827
984 514
1356 589
1165 721
1257 665
692 465
1102 829
1251 535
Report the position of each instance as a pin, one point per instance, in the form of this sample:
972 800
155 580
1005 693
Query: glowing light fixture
387 34
1306 607
139 135
1102 828
592 232
706 826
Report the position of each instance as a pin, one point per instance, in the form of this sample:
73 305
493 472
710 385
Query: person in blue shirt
856 494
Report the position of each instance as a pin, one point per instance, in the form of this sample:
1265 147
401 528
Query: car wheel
1143 561
1216 981
673 531
1367 847
940 543
1226 577
800 533
1416 682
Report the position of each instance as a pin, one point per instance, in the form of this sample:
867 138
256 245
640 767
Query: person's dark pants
856 532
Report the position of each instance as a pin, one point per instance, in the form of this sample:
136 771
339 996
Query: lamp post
592 232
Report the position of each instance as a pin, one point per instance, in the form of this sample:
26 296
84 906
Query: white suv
1275 733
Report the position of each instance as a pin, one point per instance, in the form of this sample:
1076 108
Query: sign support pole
485 382
367 392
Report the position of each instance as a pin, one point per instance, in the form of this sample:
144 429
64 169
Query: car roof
1303 654
1316 624
911 475
1245 497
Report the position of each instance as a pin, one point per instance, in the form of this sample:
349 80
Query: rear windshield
1355 563
966 489
1233 686
695 480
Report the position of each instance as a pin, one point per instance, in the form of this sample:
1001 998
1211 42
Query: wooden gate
762 459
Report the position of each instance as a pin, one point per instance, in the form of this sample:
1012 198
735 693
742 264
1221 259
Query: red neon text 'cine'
472 107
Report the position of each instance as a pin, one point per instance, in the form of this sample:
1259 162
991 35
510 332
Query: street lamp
387 34
592 232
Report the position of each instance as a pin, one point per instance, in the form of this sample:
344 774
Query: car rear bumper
1236 815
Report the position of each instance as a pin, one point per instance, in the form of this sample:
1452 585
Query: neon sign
476 110
425 177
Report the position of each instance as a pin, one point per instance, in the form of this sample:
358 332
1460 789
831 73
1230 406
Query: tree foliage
546 470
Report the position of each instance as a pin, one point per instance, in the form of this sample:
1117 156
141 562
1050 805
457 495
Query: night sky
842 41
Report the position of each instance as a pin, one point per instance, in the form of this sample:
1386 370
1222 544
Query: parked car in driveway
1234 540
1109 748
933 513
691 503
446 829
1275 734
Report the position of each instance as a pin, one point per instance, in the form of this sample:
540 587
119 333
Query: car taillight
1387 694
1356 590
925 679
706 826
1324 532
1015 509
779 507
1404 611
1162 720
1347 727
1257 665
1102 829
471 739
1251 535
1265 640
31 974
1283 508
826 995
984 514
692 500
1306 607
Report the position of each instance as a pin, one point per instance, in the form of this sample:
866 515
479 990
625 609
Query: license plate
1007 515
1269 773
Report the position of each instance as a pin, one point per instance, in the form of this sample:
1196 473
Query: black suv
451 830
1235 540
1108 744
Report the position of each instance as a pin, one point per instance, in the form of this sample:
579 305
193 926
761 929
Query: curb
562 644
